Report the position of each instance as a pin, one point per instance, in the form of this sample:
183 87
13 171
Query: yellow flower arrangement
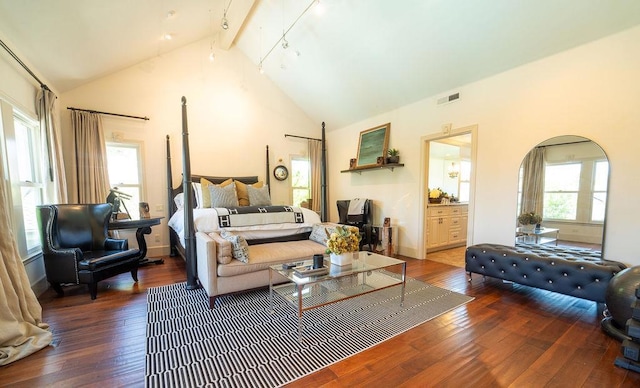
344 239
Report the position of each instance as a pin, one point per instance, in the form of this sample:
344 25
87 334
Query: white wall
233 113
591 91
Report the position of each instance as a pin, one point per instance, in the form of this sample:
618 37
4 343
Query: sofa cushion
240 248
264 255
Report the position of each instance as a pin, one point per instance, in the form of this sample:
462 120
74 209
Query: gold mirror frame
373 145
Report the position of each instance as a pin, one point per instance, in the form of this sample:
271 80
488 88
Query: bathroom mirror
565 181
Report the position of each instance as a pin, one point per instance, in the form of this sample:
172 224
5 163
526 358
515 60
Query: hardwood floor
509 335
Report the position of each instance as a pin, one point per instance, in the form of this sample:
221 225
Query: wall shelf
388 166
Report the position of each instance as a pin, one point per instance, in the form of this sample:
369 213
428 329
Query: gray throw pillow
240 249
223 196
259 196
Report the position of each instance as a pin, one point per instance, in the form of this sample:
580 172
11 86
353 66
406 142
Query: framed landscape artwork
372 145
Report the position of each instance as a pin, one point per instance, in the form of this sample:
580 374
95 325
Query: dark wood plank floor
509 335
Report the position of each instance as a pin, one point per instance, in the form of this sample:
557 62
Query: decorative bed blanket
258 215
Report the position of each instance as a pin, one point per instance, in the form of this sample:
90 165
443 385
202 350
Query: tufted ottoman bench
571 271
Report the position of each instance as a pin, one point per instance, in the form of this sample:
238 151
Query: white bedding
206 220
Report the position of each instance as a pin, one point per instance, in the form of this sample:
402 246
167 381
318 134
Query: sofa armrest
207 263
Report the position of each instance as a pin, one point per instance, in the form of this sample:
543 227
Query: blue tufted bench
571 271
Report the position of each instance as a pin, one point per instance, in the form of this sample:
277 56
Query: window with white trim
300 180
561 188
124 161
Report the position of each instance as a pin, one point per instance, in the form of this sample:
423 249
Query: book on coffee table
307 270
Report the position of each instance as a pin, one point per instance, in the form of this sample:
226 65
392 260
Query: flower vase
341 259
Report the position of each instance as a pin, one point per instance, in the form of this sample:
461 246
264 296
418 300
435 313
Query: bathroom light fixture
453 171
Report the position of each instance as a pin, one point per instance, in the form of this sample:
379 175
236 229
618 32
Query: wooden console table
142 226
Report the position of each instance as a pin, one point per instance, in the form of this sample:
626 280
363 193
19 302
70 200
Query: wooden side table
142 226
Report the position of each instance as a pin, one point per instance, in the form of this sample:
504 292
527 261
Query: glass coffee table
369 272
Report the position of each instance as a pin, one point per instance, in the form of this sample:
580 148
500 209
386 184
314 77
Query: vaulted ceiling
353 60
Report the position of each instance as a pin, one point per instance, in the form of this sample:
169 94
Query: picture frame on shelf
372 145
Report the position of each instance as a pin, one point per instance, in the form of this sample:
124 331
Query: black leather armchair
362 221
77 248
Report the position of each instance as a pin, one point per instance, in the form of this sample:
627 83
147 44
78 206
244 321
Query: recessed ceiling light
167 36
171 14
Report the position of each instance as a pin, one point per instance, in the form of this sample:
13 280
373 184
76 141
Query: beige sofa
221 274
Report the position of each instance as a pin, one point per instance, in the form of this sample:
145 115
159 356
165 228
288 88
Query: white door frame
424 176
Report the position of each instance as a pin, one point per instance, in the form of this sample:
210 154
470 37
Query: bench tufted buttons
526 258
524 276
493 260
515 265
504 255
582 267
550 281
482 266
597 280
579 287
565 274
502 271
538 269
553 263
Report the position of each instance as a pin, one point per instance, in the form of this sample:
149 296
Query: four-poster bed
183 227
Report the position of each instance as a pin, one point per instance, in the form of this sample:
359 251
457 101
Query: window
124 162
300 180
599 193
561 187
27 138
465 178
22 159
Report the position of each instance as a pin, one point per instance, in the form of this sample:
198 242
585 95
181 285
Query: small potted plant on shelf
394 155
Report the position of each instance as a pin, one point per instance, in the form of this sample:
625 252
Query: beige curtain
533 181
22 331
315 161
49 124
91 157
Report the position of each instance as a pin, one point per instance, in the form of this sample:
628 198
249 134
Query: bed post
172 242
324 208
268 177
189 239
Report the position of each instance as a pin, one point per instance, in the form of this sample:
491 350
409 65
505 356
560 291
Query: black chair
77 248
368 233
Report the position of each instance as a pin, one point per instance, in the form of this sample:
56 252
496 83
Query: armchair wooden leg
134 274
57 288
93 290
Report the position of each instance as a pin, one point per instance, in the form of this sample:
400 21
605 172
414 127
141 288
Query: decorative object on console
341 243
380 161
619 299
353 163
144 210
530 218
436 195
394 155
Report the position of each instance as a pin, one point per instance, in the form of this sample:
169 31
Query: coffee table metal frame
369 272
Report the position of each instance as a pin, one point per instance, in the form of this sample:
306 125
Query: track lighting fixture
225 23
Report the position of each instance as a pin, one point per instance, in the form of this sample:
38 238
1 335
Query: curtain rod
14 56
567 143
302 137
107 113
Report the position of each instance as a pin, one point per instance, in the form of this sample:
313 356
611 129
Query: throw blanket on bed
258 215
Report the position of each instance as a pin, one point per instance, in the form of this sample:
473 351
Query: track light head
225 23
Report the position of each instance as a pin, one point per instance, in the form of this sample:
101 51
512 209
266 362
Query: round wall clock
281 173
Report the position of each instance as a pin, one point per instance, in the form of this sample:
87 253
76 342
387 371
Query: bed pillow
223 196
179 200
259 196
197 193
206 196
239 244
243 192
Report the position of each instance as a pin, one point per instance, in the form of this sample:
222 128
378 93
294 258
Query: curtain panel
22 331
533 181
56 180
91 157
315 161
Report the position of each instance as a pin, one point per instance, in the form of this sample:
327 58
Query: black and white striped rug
240 343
